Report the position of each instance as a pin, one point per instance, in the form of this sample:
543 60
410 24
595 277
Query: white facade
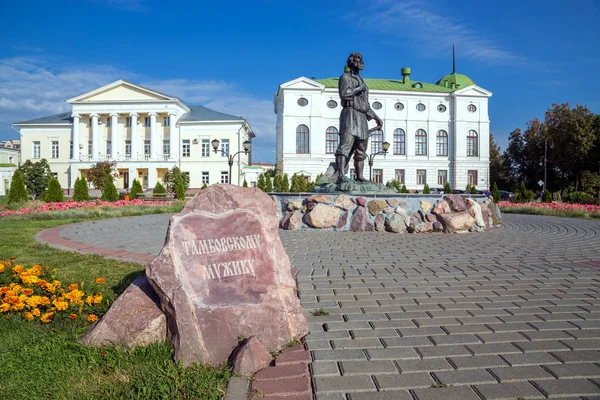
144 131
446 109
9 158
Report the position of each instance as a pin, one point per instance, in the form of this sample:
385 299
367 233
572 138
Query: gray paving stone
343 383
387 395
375 333
455 339
493 348
583 370
465 377
543 345
446 393
524 373
568 387
324 368
443 351
368 367
576 356
502 337
530 359
356 343
581 344
339 355
433 364
404 381
506 391
410 341
395 353
474 362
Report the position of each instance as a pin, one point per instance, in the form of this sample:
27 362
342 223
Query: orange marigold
97 299
92 317
28 292
36 312
28 316
45 301
45 318
17 269
89 300
73 316
73 286
100 281
4 307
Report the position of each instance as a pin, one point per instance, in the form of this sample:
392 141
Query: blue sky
231 56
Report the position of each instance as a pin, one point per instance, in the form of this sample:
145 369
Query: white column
75 138
115 137
135 139
152 176
154 139
174 137
95 138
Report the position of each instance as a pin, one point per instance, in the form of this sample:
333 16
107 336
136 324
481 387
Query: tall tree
495 161
97 174
36 176
17 192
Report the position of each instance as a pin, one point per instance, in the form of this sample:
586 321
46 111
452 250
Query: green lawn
47 362
3 200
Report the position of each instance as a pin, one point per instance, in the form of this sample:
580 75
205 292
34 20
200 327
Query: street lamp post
385 146
215 145
545 157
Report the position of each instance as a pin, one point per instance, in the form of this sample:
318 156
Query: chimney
405 75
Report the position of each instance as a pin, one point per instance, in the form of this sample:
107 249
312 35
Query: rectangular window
127 122
205 177
399 176
166 147
442 177
89 147
224 177
472 175
108 147
70 149
108 122
225 147
167 121
185 151
421 177
147 147
147 122
36 150
376 141
205 148
128 148
54 145
378 175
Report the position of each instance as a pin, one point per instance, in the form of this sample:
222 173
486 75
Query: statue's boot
340 160
359 167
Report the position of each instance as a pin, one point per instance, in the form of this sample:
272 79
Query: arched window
472 145
377 105
376 141
471 108
332 140
302 139
399 142
421 143
441 143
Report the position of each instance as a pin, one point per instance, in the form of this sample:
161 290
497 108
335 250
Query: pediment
302 83
474 90
120 91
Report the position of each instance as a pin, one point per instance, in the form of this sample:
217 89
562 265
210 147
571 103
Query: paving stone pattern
510 313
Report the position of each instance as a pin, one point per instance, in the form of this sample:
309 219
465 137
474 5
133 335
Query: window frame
472 108
377 105
399 144
421 142
470 174
205 174
332 140
441 143
421 104
225 147
378 175
422 173
443 181
108 147
377 141
302 100
167 121
472 143
127 122
185 144
147 147
147 122
167 145
302 139
205 148
400 173
37 145
54 149
128 148
399 106
332 104
225 174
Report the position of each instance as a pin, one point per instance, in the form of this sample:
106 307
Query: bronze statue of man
356 112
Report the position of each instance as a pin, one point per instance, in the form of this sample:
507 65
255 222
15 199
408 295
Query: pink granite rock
430 217
424 227
344 202
456 202
134 319
320 198
441 207
379 223
456 221
250 357
438 227
393 203
286 220
222 273
360 221
487 217
322 216
361 201
342 221
474 209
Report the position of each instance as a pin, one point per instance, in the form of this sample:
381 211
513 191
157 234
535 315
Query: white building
9 158
144 131
437 132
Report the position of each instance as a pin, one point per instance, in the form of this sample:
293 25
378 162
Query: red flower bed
68 205
553 206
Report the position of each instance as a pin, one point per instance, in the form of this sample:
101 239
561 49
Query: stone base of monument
397 213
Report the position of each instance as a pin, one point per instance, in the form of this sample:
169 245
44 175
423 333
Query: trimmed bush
285 184
54 194
404 189
203 186
579 198
17 192
159 189
81 192
261 184
180 190
277 182
524 195
496 194
426 189
136 188
109 192
245 184
447 188
547 196
268 184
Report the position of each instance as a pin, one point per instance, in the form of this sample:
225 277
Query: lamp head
385 146
215 144
246 145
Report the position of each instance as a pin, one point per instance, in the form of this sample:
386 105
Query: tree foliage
277 183
261 184
159 189
426 189
180 190
268 184
496 193
80 190
36 176
136 188
109 191
298 184
245 184
97 174
54 194
447 188
285 184
17 192
174 176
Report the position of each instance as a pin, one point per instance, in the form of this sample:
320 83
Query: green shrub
261 184
579 198
277 183
159 189
268 185
547 196
109 192
426 189
471 189
17 192
180 190
54 194
81 192
496 194
203 186
298 184
447 188
245 184
285 184
136 188
310 187
404 189
524 195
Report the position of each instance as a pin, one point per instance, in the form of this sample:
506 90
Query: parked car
504 195
437 190
459 191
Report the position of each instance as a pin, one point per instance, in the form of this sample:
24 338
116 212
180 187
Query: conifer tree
268 184
17 192
277 182
496 193
285 184
245 184
404 189
261 184
180 190
203 186
54 194
81 192
159 189
136 188
109 191
426 189
447 188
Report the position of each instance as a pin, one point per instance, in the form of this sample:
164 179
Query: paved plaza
511 313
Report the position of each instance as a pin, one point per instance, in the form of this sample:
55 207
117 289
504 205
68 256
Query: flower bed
70 205
558 209
35 294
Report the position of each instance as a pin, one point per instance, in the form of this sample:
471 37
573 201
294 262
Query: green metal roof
392 84
460 80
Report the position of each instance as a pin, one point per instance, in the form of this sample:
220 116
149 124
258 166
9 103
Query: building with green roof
438 132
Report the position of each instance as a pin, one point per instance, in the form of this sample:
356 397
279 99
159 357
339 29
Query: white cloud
432 33
35 87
